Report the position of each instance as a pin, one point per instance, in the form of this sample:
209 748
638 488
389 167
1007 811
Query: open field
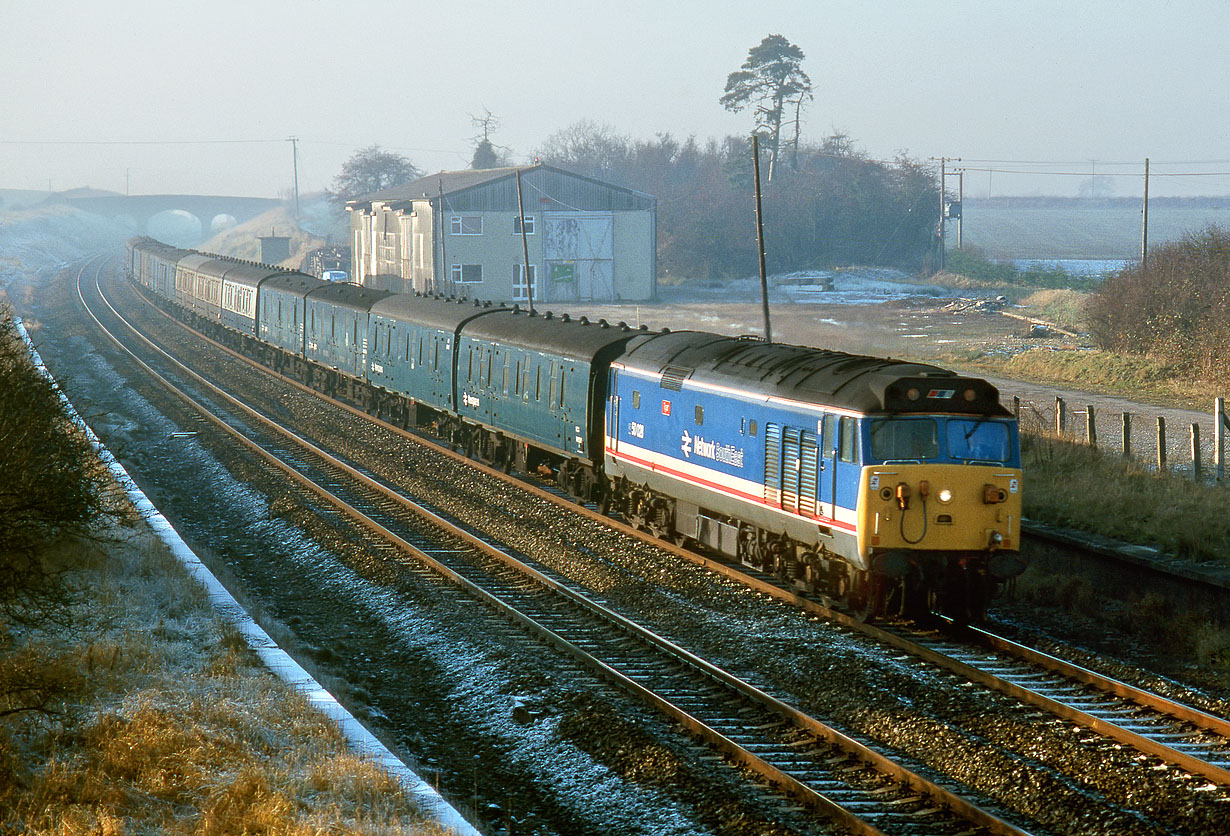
1067 229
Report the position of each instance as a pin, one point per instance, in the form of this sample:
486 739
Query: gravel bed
951 729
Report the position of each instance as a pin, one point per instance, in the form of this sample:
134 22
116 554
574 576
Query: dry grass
174 727
1076 486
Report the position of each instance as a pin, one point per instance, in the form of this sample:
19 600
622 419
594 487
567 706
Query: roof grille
673 377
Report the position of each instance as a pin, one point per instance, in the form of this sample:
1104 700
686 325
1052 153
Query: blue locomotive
892 487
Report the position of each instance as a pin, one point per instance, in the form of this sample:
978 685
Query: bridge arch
177 227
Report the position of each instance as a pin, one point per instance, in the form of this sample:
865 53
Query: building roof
453 183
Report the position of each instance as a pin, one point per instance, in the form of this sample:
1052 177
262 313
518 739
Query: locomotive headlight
944 495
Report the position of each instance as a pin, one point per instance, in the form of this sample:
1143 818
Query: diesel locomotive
893 488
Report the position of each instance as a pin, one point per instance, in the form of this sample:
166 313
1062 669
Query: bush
1177 308
51 485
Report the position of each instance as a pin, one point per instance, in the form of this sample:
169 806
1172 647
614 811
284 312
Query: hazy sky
200 97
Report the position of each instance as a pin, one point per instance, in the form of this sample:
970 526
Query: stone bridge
207 209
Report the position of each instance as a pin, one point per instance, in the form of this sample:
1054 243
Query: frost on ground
48 237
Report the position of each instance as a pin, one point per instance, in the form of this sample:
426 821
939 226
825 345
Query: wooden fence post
1220 424
1161 444
1091 426
1127 435
1061 418
1016 407
1196 452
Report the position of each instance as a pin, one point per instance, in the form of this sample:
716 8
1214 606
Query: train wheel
866 595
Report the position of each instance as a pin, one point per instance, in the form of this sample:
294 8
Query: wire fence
1196 450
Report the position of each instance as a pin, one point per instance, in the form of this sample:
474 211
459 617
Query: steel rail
785 782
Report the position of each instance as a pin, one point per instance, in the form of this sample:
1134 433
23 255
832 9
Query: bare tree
771 79
589 148
371 170
486 153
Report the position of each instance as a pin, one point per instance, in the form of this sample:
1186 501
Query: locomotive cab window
904 439
978 440
849 440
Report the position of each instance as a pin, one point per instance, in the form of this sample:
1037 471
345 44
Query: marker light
945 495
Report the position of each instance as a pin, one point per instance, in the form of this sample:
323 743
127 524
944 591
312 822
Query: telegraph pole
525 248
943 210
764 280
961 203
1144 225
294 145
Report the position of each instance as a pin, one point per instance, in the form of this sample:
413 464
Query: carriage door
612 415
828 465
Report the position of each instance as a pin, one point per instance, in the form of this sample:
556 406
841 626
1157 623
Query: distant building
459 233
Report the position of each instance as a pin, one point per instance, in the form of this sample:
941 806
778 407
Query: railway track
859 788
794 746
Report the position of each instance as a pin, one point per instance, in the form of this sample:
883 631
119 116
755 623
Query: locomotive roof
356 297
849 381
580 338
442 313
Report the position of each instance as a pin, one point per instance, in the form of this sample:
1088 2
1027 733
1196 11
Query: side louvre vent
673 377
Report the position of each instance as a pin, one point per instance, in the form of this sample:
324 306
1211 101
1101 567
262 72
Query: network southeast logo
724 453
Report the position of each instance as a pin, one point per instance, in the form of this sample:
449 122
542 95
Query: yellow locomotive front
939 508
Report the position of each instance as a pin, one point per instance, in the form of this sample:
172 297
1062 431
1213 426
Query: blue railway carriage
337 327
152 264
874 481
541 382
281 310
412 359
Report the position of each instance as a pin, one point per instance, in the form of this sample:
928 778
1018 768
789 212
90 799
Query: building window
529 225
466 225
520 289
467 273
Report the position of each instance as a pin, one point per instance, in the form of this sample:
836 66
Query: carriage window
636 399
751 427
700 415
894 439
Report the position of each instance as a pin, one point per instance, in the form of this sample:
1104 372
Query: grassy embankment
126 704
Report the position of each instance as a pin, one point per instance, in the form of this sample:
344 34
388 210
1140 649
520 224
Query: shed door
578 250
